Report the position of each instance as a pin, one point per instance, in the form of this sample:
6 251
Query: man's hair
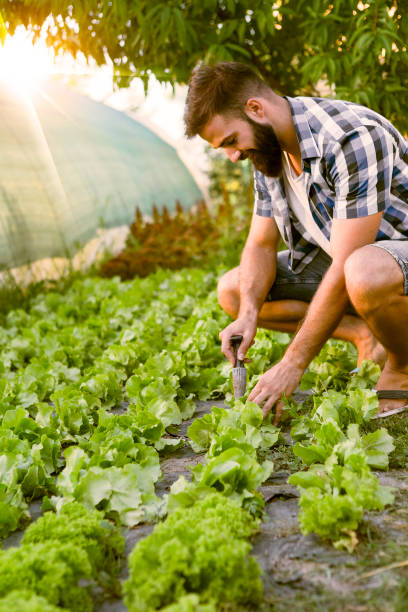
222 89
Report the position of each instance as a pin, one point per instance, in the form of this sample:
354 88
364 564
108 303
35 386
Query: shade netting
70 165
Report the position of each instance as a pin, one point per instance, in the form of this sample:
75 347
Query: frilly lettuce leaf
199 553
26 601
244 424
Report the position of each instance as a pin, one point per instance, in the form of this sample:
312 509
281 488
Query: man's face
245 138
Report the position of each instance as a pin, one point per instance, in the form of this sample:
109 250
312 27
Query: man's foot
370 348
392 379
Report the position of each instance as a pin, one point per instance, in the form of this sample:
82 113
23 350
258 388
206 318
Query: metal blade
239 382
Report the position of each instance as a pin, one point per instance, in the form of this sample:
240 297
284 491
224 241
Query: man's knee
228 292
371 278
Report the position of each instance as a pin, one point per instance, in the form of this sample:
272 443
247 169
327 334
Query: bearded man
331 180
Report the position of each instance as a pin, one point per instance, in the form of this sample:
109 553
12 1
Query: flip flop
391 394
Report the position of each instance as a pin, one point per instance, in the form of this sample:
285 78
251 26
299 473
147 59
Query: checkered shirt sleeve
360 169
263 197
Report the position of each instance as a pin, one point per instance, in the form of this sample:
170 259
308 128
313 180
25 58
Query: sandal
391 394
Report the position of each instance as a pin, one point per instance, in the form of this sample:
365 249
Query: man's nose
233 154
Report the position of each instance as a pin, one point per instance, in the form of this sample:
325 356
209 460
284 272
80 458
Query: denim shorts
398 249
303 286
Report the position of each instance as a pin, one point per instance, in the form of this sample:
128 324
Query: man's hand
284 377
246 327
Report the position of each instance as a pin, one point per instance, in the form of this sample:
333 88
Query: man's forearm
324 314
257 273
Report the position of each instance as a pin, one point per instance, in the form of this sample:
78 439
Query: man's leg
375 283
287 314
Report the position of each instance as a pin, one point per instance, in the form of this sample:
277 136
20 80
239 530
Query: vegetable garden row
71 359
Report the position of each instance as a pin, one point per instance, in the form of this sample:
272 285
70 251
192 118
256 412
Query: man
331 178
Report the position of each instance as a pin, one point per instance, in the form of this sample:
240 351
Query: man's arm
257 273
324 313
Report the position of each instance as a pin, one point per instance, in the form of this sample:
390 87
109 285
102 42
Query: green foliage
125 494
13 508
190 603
339 485
331 444
87 530
25 470
64 362
235 473
158 338
201 550
334 497
58 556
69 358
231 184
242 427
231 467
296 45
331 368
51 572
26 601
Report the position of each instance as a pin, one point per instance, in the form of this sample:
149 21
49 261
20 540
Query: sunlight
23 65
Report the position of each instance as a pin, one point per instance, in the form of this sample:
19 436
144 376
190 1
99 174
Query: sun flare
24 65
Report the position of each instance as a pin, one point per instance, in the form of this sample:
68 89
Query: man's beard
266 155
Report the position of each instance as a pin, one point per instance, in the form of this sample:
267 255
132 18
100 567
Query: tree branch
264 71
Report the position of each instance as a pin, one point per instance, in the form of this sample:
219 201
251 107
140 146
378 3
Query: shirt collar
307 144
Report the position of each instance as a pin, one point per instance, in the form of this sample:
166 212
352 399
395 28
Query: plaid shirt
356 164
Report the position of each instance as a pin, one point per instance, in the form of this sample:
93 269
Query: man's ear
254 108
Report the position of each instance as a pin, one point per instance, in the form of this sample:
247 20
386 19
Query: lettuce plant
202 550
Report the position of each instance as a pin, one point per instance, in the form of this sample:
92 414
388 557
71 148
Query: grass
283 458
397 427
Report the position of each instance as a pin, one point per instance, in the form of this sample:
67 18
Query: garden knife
238 371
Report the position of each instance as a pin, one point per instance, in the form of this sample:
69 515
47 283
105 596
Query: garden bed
304 571
112 382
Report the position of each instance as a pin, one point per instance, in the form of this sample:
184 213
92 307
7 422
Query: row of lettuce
339 485
197 559
67 363
64 365
70 360
336 487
